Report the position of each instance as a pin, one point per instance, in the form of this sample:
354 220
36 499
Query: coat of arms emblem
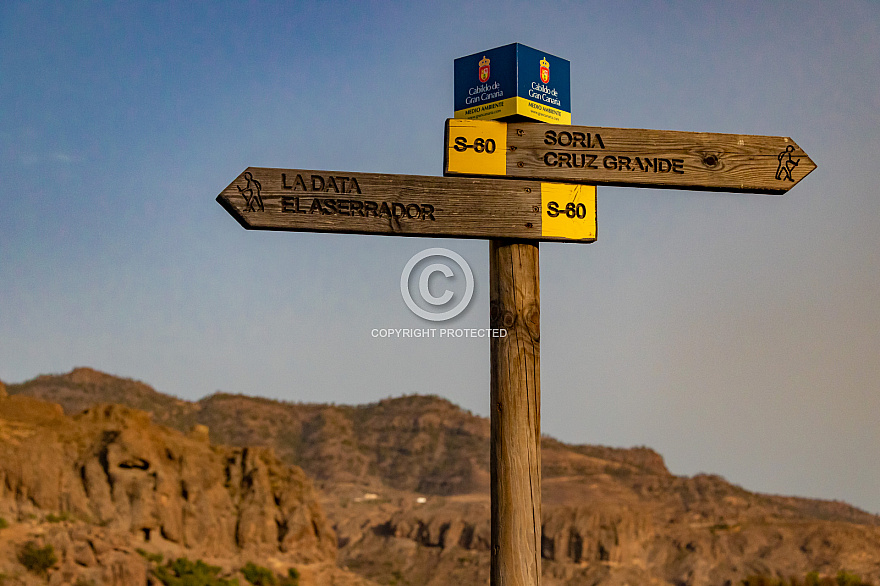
484 70
545 71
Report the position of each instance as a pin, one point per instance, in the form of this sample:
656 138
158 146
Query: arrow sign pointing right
625 156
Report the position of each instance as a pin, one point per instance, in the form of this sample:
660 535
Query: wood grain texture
515 452
416 205
652 158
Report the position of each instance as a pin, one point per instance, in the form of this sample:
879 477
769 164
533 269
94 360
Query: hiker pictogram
251 193
786 164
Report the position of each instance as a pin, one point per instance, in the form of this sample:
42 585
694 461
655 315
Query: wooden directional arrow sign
622 156
407 205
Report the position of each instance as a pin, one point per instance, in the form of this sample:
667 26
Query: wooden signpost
598 156
515 408
535 182
409 205
624 156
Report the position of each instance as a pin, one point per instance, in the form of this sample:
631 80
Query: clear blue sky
735 334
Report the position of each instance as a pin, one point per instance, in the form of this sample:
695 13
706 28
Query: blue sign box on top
513 82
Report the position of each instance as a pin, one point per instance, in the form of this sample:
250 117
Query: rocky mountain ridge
404 483
106 488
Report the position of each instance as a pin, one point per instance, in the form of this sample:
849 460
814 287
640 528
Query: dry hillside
404 482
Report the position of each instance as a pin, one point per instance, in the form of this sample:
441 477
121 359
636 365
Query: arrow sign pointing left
303 200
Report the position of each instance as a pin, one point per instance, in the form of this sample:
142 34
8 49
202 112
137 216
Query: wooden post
515 452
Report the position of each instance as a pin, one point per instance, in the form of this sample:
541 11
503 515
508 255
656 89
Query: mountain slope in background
109 492
405 484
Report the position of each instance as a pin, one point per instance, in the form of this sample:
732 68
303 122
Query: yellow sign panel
542 112
568 211
516 105
477 147
490 111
